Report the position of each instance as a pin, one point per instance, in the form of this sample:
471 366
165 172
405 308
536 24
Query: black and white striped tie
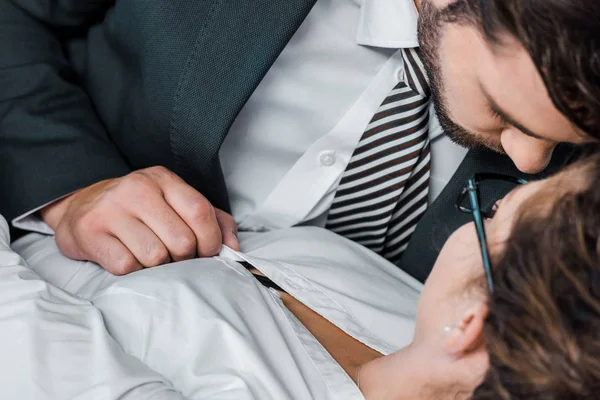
383 192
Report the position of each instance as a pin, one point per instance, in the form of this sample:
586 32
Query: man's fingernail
233 241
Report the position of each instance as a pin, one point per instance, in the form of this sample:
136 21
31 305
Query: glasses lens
490 191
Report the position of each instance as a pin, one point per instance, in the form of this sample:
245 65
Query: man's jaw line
460 135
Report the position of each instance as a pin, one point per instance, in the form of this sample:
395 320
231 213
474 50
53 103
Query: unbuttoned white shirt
289 146
199 329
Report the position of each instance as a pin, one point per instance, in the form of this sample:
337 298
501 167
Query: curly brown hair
563 39
543 328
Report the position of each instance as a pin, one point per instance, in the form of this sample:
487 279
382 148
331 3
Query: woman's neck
401 375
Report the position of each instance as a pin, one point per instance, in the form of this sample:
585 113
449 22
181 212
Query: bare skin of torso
347 351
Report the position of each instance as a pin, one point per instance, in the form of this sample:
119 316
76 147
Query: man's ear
468 335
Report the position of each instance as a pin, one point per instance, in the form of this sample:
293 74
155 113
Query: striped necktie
383 192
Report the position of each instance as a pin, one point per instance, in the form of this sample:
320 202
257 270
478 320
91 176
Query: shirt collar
388 23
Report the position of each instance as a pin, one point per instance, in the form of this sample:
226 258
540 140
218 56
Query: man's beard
431 24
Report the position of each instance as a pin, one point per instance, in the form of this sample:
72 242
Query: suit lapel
238 43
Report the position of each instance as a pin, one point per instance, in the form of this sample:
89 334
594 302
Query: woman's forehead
542 194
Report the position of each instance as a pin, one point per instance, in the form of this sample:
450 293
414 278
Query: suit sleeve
51 140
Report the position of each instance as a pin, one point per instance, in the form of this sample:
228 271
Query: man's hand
145 219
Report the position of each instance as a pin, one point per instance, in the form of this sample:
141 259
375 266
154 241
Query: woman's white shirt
212 330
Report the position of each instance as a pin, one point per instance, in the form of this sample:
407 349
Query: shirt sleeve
31 221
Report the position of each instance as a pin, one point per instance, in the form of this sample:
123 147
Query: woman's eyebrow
506 117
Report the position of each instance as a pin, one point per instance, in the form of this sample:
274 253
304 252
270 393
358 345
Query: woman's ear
468 335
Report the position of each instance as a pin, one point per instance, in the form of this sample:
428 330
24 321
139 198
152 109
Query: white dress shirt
287 150
289 147
212 331
54 345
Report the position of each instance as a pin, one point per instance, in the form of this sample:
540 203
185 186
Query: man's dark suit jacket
91 90
94 89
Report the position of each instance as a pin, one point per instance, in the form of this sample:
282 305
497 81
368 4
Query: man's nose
529 154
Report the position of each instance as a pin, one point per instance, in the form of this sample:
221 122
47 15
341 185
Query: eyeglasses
482 196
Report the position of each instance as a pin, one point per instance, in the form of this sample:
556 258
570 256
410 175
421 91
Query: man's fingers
113 256
169 227
88 239
146 218
229 229
141 241
197 212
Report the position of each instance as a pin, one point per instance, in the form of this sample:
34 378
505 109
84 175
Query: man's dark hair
563 39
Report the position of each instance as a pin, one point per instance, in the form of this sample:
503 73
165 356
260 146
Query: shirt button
327 158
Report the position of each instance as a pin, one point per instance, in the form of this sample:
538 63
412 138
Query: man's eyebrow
508 119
